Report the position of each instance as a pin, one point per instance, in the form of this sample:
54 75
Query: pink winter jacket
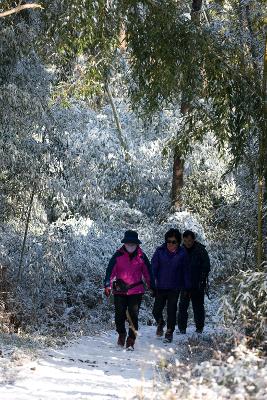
130 270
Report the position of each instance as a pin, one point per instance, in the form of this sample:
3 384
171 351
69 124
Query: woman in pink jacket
125 273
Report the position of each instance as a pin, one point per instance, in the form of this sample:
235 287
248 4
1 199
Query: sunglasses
171 242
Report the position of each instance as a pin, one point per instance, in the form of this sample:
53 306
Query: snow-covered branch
19 8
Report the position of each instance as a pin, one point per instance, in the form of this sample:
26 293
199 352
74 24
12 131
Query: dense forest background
130 114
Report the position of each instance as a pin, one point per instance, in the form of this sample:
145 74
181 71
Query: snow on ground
95 368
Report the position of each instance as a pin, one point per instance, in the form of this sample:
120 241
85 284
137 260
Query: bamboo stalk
264 154
262 165
118 124
260 222
26 232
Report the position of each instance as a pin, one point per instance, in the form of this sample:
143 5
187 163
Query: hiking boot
159 331
121 339
130 343
168 336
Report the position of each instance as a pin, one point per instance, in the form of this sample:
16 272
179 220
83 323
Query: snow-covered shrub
94 162
205 187
62 274
224 202
245 306
240 374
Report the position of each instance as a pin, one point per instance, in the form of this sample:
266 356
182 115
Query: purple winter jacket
169 268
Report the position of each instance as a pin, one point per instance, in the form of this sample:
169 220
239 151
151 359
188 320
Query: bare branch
19 8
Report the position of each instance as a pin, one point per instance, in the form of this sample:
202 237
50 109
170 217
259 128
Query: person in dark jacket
168 264
125 273
195 280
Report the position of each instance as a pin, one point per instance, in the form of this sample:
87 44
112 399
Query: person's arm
205 268
110 271
186 279
155 265
205 263
148 273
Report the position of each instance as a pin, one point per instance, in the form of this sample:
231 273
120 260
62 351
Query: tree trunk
177 180
196 11
196 5
178 162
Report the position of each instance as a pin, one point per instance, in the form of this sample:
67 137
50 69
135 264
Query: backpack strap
120 286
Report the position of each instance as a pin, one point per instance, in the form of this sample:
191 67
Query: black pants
122 304
197 298
169 296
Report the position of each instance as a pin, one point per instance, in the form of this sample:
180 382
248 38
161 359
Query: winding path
94 368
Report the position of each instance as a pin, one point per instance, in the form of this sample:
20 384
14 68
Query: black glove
153 292
187 294
203 282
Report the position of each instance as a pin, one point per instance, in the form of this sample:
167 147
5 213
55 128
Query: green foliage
83 36
212 67
158 41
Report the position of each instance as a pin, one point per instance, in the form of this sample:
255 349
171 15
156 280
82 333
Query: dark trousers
197 298
122 304
169 296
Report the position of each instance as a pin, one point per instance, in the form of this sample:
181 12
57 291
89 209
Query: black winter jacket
198 266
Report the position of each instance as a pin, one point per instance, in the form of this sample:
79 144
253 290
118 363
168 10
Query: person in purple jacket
125 273
168 264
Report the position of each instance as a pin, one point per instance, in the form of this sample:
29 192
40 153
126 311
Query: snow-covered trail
94 367
91 368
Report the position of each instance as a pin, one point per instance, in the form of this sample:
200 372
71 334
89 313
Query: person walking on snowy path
168 264
196 276
125 273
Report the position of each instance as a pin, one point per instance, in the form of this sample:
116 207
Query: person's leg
182 313
172 301
133 303
197 297
120 302
159 304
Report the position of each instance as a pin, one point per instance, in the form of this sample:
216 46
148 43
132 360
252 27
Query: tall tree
166 51
178 158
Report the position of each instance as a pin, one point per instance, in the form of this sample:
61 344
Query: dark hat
131 237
